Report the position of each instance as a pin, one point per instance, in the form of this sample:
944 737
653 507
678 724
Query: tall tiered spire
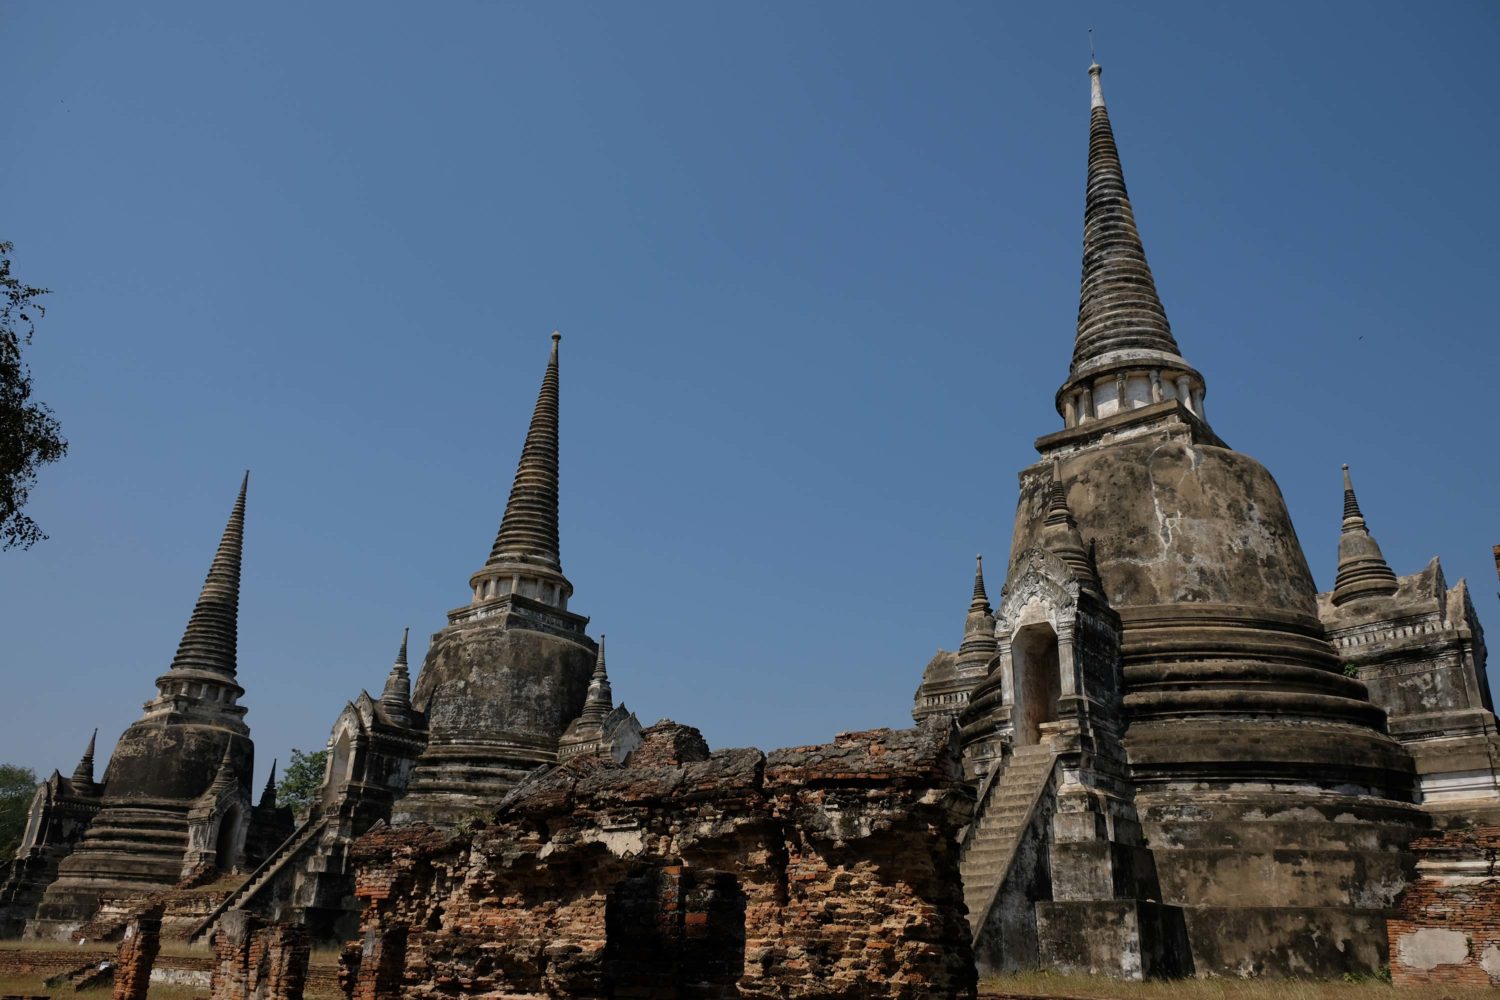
1363 571
600 698
525 558
83 774
1124 354
1060 534
396 698
528 532
209 641
1118 308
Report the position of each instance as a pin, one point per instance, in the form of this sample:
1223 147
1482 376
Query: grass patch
84 951
1044 984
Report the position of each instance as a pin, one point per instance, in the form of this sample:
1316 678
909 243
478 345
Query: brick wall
1447 931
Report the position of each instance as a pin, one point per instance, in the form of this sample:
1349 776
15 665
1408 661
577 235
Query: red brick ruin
1448 929
137 954
827 871
257 961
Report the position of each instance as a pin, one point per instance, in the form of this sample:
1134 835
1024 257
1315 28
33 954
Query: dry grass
84 951
29 986
1041 984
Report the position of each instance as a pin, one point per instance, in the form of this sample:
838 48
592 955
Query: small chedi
1160 752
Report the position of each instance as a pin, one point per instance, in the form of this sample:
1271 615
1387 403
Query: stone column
1156 394
1184 393
1070 410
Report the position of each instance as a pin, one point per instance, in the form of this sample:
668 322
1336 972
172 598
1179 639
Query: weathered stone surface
497 696
821 871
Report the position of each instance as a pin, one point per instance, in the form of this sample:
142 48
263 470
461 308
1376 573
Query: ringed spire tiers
526 557
396 698
206 657
1363 571
600 698
83 774
208 642
1124 354
978 645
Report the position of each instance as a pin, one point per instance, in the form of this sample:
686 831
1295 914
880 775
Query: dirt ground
1040 984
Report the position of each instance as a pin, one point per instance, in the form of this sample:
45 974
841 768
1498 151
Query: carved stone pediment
1040 586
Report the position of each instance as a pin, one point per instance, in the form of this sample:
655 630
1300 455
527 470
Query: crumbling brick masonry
256 961
1448 931
137 954
827 871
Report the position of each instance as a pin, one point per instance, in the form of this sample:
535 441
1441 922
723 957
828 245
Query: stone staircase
84 977
1000 817
269 869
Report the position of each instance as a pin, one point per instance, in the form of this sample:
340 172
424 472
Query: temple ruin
1159 752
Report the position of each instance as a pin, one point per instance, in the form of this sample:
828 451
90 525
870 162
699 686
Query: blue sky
816 267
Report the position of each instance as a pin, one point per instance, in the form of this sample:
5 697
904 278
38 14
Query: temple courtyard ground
26 965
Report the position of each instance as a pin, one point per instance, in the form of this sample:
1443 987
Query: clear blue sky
816 266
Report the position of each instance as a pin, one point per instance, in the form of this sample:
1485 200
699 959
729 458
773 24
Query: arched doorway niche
227 844
1037 669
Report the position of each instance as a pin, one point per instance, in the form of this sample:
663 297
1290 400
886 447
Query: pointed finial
268 796
980 600
396 698
1096 87
224 776
1363 571
978 644
83 774
1060 534
1057 498
1351 503
600 697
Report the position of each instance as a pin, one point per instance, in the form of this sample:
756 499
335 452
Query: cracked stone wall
825 871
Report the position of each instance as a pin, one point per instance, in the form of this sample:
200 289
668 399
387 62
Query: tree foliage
17 785
30 435
302 778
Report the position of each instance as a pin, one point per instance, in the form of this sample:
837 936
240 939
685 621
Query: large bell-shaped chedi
1274 803
501 683
176 793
